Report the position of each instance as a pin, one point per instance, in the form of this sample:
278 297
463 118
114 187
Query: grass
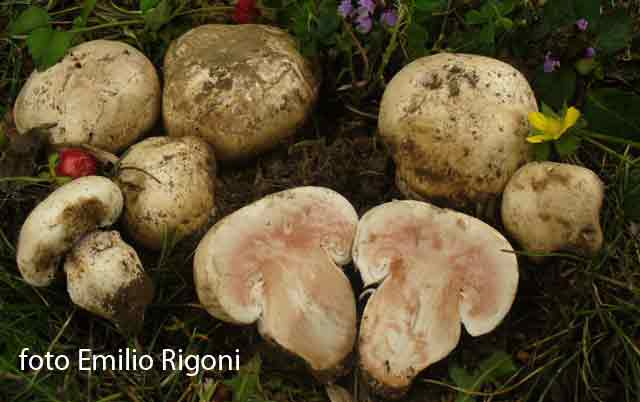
574 330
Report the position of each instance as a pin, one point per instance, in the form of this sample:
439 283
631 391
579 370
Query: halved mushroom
73 210
456 125
105 276
550 206
103 93
243 88
275 262
436 268
168 186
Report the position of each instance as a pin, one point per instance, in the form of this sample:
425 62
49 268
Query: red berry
245 11
76 163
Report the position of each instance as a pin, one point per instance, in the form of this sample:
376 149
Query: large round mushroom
103 93
275 262
169 188
241 87
70 212
456 125
436 269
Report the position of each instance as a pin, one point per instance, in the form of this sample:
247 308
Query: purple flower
364 23
582 24
590 52
345 9
550 64
389 17
369 5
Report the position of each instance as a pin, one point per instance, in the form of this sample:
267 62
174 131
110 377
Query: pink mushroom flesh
438 268
276 262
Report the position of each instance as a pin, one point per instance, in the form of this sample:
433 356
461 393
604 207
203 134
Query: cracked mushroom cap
73 210
105 277
276 262
550 206
456 126
103 93
436 268
169 188
241 87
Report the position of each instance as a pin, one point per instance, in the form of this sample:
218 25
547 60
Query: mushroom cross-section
54 225
275 262
436 269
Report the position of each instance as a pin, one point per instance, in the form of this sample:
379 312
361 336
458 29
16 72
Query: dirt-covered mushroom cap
241 87
103 93
275 262
105 276
436 268
168 186
550 206
73 210
456 125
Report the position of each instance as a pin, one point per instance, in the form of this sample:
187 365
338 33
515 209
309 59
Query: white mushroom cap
105 276
550 206
73 210
276 262
437 268
103 93
241 87
456 125
168 186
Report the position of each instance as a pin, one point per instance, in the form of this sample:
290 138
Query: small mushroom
243 88
105 277
550 206
73 210
168 186
456 126
436 268
275 262
103 93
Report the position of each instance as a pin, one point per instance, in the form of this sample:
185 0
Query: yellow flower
551 128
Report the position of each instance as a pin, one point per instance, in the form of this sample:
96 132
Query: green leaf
328 22
430 5
146 5
567 145
557 88
158 16
475 17
81 20
417 37
246 384
613 112
631 201
615 33
487 34
30 19
497 366
542 151
47 46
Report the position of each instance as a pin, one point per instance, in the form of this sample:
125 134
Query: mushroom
275 262
71 211
103 93
436 268
241 87
550 206
456 126
105 277
168 186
